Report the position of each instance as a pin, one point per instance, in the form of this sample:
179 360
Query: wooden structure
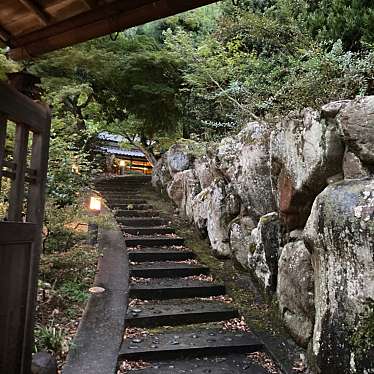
33 27
120 160
20 233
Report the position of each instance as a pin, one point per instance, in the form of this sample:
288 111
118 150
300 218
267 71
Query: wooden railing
20 229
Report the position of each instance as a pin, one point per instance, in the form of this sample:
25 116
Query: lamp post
95 208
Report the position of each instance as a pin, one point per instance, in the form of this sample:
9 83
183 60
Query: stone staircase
172 296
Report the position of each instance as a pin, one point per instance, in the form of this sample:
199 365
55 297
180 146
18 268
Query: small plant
49 338
363 337
76 292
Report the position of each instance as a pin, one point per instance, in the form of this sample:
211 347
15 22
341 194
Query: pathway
177 319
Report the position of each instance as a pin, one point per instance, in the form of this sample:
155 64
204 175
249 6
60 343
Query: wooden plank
10 232
35 214
16 246
17 191
39 167
3 127
101 21
189 344
90 3
21 109
37 11
78 21
177 314
167 270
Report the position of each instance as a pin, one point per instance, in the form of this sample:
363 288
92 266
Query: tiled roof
121 152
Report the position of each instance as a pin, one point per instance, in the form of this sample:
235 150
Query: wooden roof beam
38 12
4 34
101 21
90 4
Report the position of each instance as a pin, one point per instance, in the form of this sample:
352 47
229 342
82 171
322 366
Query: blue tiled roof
122 152
111 137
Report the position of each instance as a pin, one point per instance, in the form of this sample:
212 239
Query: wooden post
35 214
3 126
17 191
39 162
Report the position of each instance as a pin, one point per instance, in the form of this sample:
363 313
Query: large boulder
161 174
306 149
263 258
223 206
182 190
243 161
295 291
340 236
353 168
241 241
200 210
181 155
205 171
356 122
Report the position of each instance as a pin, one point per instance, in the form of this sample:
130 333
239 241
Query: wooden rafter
39 12
103 20
91 4
4 34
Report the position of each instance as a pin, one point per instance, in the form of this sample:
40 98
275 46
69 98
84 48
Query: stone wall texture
292 203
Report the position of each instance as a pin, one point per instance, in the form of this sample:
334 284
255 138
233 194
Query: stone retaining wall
294 204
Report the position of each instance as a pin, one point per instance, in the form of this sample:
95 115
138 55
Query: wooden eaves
62 23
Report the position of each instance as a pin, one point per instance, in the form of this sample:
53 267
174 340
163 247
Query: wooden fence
24 146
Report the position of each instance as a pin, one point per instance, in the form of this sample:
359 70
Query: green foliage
7 66
74 291
352 21
261 62
60 232
76 265
204 73
363 337
49 338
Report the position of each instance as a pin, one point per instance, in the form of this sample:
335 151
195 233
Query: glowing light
95 204
75 168
122 163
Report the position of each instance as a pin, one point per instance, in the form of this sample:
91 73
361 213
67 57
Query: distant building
120 160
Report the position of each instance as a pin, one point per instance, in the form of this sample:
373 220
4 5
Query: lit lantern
95 204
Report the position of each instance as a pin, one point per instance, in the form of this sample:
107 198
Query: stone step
113 203
142 221
134 207
120 190
112 195
175 289
137 213
159 254
125 180
227 364
188 344
151 230
154 315
167 270
124 196
155 241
